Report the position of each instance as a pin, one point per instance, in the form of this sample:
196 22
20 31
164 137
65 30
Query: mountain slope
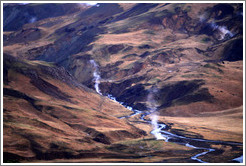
159 44
182 63
48 115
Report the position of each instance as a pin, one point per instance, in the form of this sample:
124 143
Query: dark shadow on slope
136 10
63 49
15 16
20 95
103 10
183 92
12 158
49 89
32 72
234 50
222 10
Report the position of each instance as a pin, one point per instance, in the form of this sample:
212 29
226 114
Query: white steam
202 17
222 30
90 4
96 76
156 129
213 25
225 31
154 117
23 3
32 20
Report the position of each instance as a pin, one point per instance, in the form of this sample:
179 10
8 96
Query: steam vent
127 82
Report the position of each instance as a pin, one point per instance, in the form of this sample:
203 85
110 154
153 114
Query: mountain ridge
58 106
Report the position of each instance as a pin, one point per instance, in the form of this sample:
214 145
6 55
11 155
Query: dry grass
226 125
127 6
55 121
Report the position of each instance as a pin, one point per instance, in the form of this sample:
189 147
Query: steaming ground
152 104
150 100
126 82
159 130
223 30
96 76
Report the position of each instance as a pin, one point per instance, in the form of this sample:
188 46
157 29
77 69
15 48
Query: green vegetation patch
43 63
154 80
185 133
168 38
212 66
216 76
187 9
177 7
150 32
137 146
193 75
205 40
129 56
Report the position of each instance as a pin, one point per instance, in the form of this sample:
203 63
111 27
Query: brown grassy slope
60 121
223 81
175 56
226 125
159 45
81 127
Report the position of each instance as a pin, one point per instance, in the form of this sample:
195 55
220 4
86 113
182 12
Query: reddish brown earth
52 113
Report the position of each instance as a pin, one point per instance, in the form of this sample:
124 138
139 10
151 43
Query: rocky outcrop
178 21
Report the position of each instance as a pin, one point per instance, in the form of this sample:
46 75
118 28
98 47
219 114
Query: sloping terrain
146 45
192 54
48 115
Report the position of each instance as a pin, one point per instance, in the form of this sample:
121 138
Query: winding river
160 130
162 133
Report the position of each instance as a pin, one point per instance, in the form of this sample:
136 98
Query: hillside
73 73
